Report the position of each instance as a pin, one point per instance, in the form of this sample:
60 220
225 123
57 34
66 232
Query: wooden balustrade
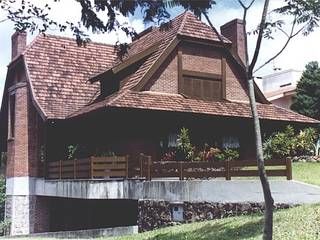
226 169
89 168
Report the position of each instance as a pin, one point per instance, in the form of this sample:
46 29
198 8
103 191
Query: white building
280 87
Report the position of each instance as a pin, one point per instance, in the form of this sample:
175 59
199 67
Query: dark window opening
285 85
12 103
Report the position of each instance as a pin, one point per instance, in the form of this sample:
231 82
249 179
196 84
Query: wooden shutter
217 90
207 89
197 88
187 86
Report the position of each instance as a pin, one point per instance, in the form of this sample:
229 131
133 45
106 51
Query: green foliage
184 146
207 154
5 227
104 153
286 144
72 149
307 99
228 154
280 145
2 196
304 143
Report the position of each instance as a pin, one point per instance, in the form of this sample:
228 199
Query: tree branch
259 40
3 20
214 29
292 35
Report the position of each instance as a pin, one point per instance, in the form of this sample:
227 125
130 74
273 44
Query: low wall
156 214
85 234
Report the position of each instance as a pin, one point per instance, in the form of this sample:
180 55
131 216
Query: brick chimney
233 30
18 43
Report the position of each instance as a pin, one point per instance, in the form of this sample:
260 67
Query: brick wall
166 78
236 88
198 58
201 58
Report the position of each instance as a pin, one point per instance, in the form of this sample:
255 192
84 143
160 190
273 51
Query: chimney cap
234 21
18 32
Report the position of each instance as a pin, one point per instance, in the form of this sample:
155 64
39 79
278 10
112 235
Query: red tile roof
178 103
59 71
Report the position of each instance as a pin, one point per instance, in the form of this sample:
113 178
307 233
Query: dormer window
202 87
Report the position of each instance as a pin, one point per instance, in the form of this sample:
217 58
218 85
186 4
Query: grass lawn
300 223
304 172
307 172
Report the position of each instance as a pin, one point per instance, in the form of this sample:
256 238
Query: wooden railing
226 169
89 168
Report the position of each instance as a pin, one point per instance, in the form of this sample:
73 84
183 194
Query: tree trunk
268 214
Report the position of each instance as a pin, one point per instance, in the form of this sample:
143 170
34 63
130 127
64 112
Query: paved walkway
283 191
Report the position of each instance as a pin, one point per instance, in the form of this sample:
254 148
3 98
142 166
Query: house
58 94
280 87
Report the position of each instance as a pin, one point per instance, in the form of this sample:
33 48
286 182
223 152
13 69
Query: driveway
283 191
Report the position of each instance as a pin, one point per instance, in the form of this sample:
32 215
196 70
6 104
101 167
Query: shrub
104 153
71 151
185 150
5 227
228 154
287 144
170 156
280 145
207 154
304 144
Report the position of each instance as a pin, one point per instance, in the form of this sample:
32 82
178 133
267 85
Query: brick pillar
22 205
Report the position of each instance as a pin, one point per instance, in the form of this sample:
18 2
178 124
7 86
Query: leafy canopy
307 99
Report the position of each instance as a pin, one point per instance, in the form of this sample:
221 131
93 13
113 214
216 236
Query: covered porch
130 143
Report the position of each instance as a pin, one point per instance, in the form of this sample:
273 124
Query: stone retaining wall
156 214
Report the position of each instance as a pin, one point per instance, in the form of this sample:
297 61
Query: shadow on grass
217 231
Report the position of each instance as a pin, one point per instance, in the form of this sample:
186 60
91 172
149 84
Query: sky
299 52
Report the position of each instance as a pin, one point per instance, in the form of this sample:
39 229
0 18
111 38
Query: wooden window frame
182 73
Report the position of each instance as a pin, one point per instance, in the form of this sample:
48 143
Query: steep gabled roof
58 70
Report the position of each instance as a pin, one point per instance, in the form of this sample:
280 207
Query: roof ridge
73 39
185 14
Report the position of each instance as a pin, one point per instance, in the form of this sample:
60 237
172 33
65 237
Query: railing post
91 167
289 169
141 164
149 168
181 171
60 169
74 169
127 166
227 169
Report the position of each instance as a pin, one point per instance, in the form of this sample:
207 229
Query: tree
307 99
305 17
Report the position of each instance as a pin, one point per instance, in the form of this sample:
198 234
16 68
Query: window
12 105
202 88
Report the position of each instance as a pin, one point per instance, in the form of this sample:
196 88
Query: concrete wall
179 191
